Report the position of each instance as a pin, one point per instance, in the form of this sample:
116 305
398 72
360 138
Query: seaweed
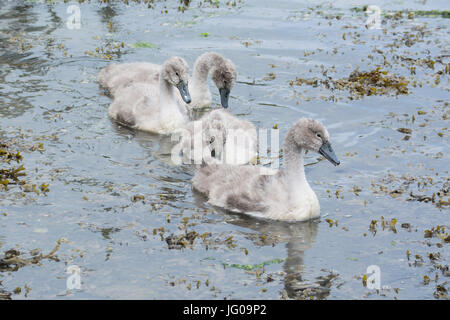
13 259
11 174
362 83
409 13
249 267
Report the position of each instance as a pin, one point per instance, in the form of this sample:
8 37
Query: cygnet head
310 134
176 72
224 76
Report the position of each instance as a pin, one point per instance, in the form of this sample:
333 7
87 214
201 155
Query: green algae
250 267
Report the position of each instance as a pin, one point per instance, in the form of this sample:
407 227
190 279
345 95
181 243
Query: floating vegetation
8 156
106 232
437 232
270 76
375 82
193 284
332 222
439 195
409 13
441 292
137 197
421 62
4 295
312 290
143 44
181 241
190 237
180 5
435 259
384 224
404 130
249 42
431 13
107 52
362 83
13 259
249 267
12 174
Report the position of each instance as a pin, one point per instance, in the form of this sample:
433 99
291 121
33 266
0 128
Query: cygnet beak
327 151
224 95
184 91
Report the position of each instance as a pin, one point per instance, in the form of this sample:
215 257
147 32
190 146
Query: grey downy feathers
284 195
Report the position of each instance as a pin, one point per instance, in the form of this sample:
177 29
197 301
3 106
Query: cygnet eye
318 135
177 74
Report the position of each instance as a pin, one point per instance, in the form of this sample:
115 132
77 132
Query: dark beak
327 151
224 95
184 91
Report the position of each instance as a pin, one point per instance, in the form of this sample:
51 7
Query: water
94 168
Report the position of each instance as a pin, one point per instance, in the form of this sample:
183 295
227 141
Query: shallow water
96 168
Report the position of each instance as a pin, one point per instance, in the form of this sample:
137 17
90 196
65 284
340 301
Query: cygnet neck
202 67
294 170
167 99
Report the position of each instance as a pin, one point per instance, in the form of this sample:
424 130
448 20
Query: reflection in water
159 147
296 285
298 237
107 13
157 150
18 60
